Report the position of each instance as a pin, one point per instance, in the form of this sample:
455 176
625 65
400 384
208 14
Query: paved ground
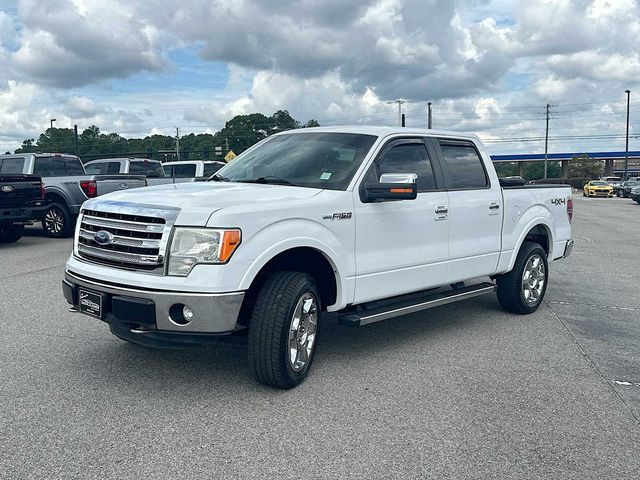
463 391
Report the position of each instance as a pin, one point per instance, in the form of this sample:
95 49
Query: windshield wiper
217 178
270 180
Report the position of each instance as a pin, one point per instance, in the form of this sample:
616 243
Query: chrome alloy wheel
54 220
302 331
533 279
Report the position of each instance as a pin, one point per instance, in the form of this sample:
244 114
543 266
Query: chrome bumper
212 312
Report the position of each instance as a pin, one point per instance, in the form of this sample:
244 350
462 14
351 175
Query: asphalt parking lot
462 391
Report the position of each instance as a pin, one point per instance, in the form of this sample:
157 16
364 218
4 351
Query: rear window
11 165
464 166
149 169
93 169
113 168
211 168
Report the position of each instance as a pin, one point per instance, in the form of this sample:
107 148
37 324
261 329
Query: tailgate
116 183
19 190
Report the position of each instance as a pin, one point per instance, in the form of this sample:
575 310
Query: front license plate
90 303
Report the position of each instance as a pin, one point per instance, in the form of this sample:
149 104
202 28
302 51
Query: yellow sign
230 156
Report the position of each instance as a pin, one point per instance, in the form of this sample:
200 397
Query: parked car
635 193
192 169
21 202
343 219
66 186
615 182
625 189
597 188
151 169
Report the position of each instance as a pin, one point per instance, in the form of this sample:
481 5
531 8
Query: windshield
150 169
317 160
600 184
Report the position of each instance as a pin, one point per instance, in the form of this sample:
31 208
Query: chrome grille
134 241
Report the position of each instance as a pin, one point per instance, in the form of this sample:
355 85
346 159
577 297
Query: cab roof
382 131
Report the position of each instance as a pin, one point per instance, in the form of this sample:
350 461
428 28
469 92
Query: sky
137 67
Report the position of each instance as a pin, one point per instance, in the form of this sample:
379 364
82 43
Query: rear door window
463 166
112 168
184 171
150 169
11 165
93 169
211 168
73 166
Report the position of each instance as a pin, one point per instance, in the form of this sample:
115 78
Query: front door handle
493 208
441 213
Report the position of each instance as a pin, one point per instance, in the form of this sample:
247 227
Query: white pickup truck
369 222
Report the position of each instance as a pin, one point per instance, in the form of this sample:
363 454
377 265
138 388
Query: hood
197 201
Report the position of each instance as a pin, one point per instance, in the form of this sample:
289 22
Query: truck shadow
193 371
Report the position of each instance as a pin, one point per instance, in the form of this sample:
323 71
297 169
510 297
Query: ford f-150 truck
369 222
66 186
21 200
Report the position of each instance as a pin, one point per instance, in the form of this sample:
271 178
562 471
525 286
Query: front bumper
149 312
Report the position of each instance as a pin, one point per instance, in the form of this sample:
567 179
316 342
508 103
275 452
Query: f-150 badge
338 216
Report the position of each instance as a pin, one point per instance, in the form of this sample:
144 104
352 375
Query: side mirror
392 186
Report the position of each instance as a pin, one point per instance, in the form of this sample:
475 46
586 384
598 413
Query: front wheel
522 289
284 329
57 221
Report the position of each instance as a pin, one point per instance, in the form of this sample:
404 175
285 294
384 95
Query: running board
365 317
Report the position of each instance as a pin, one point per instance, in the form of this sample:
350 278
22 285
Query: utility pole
402 120
626 151
226 142
75 137
400 102
429 124
51 121
178 143
546 143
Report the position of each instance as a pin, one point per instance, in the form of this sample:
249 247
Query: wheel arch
306 259
538 231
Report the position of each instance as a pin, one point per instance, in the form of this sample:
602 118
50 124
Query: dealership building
614 161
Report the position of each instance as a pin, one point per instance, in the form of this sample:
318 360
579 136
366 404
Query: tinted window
113 168
406 158
168 172
184 171
211 168
50 167
11 165
93 169
150 169
464 166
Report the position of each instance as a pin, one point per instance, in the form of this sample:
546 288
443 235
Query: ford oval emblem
123 186
103 237
7 188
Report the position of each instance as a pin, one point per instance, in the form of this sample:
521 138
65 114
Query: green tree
583 166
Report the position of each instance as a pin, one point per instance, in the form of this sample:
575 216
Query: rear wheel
284 329
522 289
11 233
57 221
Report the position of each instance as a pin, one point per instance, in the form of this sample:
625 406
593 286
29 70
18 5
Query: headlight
191 246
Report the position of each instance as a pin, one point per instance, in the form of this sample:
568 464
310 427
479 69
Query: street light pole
626 151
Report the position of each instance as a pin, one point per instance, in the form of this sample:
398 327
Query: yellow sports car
597 188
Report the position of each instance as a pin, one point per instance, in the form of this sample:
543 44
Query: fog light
187 313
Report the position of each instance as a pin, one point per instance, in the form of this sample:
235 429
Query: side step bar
365 317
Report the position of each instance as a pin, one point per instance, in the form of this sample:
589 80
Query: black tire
271 324
11 233
511 293
57 221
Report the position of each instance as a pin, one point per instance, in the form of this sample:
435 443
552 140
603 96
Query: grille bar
131 258
122 224
118 240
